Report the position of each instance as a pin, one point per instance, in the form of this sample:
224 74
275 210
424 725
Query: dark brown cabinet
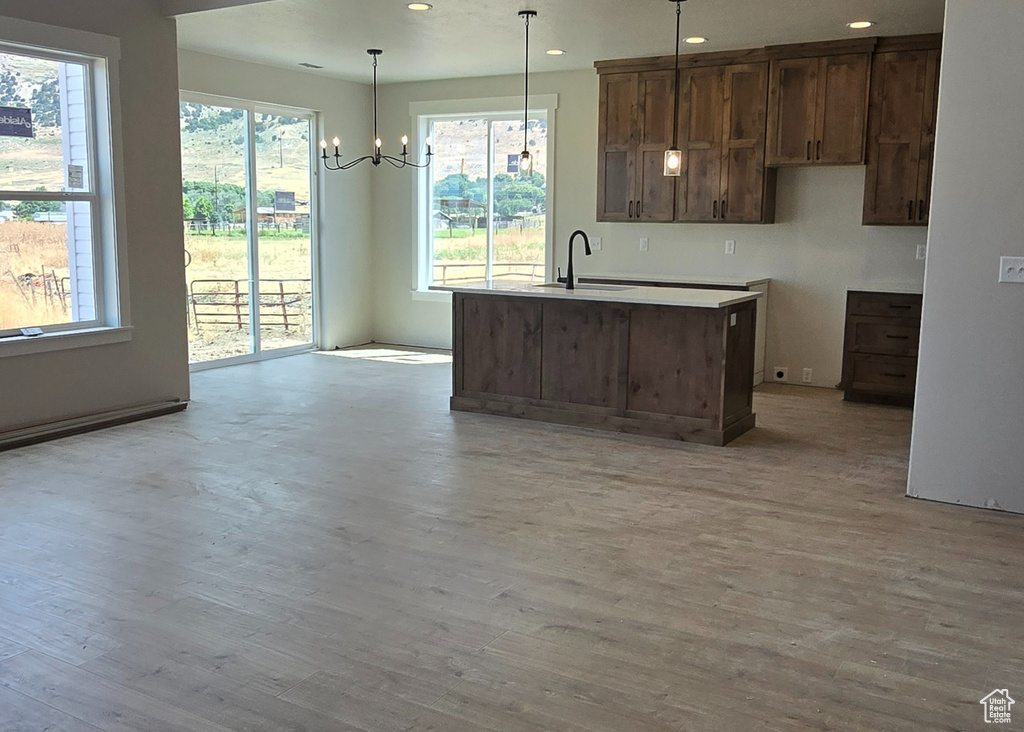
818 110
722 132
883 330
901 137
635 130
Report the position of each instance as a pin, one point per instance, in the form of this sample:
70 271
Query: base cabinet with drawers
883 331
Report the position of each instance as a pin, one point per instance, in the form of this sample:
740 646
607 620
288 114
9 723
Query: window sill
25 345
432 296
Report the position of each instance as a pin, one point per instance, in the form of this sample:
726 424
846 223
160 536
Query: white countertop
679 297
687 279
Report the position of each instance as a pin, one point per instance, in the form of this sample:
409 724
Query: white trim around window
422 114
109 318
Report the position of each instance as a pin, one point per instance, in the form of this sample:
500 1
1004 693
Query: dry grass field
33 261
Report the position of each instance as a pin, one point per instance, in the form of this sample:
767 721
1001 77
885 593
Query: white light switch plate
1011 269
922 251
730 246
595 243
645 244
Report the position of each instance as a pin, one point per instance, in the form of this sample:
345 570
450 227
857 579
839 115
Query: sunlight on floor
393 355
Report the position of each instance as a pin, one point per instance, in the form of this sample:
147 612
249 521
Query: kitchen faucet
569 280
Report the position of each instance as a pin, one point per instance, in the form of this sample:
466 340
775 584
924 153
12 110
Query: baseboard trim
78 425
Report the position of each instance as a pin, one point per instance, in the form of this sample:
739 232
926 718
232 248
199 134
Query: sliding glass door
249 237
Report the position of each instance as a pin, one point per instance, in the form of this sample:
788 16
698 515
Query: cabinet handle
818 155
899 307
898 338
808 149
722 209
894 376
920 210
714 210
630 209
639 208
910 211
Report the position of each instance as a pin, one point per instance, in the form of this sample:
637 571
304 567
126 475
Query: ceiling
463 38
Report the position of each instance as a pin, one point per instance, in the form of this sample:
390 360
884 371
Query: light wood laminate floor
318 544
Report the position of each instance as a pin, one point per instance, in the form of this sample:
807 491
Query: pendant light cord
526 92
375 135
675 114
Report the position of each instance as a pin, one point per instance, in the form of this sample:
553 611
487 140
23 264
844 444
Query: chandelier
377 156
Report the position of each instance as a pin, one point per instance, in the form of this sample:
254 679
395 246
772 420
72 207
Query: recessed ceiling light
420 6
696 39
860 24
555 52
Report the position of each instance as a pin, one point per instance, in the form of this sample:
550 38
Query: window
56 215
248 207
481 217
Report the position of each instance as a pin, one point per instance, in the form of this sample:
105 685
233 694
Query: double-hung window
57 242
481 217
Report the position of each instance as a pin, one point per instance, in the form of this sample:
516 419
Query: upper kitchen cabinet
635 129
722 134
818 110
904 94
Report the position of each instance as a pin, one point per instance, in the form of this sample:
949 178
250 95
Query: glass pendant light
525 159
674 156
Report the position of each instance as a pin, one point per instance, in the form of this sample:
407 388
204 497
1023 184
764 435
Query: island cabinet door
675 362
584 354
496 343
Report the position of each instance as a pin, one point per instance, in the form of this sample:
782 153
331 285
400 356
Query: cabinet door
655 193
743 168
924 166
701 104
792 101
842 111
617 158
898 92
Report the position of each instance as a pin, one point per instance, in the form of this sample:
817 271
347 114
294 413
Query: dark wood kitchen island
651 361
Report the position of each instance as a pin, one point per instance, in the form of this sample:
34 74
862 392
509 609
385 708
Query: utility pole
216 202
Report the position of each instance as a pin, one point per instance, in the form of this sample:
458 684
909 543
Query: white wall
345 226
969 419
153 366
816 251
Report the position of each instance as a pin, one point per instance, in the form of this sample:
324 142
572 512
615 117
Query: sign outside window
16 122
513 163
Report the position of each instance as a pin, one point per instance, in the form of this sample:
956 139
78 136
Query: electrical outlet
922 251
808 376
595 243
730 246
781 373
1011 269
645 244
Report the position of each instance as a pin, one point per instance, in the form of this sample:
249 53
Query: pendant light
377 156
674 156
525 159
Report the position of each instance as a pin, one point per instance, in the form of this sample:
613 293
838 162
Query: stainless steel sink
599 288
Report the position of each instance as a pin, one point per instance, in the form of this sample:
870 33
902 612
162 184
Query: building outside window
56 202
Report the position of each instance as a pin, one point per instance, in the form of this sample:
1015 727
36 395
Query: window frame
100 56
491 109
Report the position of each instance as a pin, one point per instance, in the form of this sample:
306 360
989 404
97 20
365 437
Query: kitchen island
667 362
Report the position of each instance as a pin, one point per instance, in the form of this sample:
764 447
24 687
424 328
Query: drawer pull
895 376
898 307
898 338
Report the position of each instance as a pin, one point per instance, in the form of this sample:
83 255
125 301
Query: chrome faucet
569 280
